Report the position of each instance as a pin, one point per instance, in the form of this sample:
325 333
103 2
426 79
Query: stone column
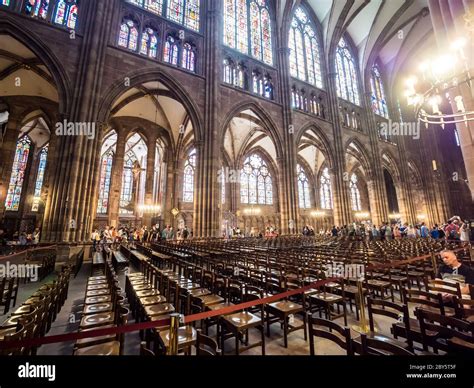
206 199
342 207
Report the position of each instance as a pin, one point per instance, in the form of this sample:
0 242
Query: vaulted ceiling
392 31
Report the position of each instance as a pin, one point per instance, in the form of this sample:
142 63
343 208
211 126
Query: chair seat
326 297
209 300
97 308
111 348
242 320
186 336
98 299
159 309
381 337
97 340
97 287
97 319
286 307
97 293
200 292
142 287
150 292
152 300
218 306
378 283
311 291
7 331
102 277
96 282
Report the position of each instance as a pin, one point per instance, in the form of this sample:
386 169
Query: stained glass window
66 13
155 6
43 158
171 51
188 181
256 185
305 61
303 188
347 84
149 46
23 148
355 193
267 87
257 83
38 8
325 190
456 137
184 12
128 37
379 101
228 71
109 147
248 29
239 76
188 57
134 175
6 3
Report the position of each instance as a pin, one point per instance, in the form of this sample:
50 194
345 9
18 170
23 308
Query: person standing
424 231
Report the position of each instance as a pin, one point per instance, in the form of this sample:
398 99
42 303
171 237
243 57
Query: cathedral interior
211 167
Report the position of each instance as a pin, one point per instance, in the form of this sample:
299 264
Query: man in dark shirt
455 270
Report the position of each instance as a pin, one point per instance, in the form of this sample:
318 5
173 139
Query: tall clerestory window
305 57
256 185
36 8
248 28
325 190
66 13
149 44
43 159
189 177
355 193
128 37
346 83
303 188
17 179
184 12
109 147
379 100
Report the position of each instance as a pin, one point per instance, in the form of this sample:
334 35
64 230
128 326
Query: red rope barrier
149 325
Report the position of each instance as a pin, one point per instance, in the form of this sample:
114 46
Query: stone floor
68 321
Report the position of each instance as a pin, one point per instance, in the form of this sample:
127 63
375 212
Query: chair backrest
424 298
464 308
373 346
444 287
387 309
206 346
342 338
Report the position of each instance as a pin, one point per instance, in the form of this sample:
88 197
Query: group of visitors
111 237
454 230
22 239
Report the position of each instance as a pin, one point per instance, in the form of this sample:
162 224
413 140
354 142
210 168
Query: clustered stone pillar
452 20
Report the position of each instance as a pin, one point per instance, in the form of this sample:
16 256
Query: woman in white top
464 233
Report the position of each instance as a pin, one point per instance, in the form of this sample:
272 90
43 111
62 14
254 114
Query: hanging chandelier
445 79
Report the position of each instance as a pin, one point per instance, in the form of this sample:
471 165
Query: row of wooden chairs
34 318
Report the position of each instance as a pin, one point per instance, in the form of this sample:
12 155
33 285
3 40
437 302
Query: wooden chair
6 290
374 346
114 347
446 329
464 309
341 335
206 346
